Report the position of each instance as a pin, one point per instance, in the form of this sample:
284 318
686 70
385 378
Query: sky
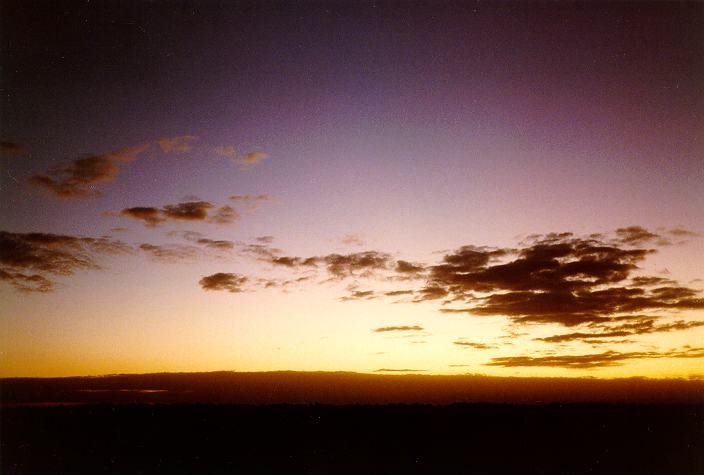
499 188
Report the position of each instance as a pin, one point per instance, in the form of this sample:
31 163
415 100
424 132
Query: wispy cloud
474 345
180 144
402 328
599 360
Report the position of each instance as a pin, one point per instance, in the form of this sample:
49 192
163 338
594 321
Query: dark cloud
79 178
223 281
287 261
405 267
264 239
148 215
558 279
398 293
647 281
637 235
356 264
186 211
44 254
476 346
12 148
403 328
607 358
640 326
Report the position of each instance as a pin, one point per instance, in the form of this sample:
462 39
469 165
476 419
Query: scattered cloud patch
79 178
148 215
223 281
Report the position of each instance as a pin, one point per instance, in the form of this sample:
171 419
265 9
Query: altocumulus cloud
79 178
28 259
593 285
187 211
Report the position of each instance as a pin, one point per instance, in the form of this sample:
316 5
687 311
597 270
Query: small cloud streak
403 328
252 158
476 346
600 360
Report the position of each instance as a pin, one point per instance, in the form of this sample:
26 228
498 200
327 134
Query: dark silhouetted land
235 423
290 387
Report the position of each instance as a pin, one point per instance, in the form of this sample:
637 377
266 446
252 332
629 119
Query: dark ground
460 438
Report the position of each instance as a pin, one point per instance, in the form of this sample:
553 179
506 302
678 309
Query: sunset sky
495 188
